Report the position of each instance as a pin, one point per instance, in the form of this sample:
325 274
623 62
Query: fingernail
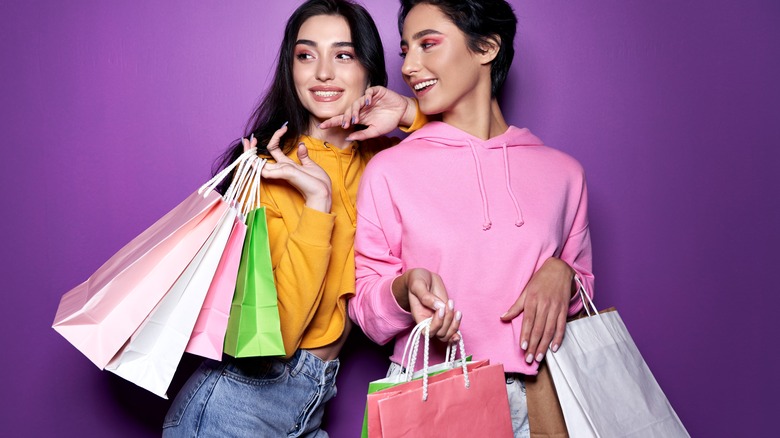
555 348
348 139
458 315
450 304
343 123
354 119
285 124
441 313
438 305
524 345
504 315
251 137
368 101
539 357
529 358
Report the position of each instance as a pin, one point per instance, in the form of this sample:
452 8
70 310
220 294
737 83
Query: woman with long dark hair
330 54
469 220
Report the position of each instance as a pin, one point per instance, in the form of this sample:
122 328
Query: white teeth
424 84
327 93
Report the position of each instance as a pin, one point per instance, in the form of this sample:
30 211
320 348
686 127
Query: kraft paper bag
153 353
603 383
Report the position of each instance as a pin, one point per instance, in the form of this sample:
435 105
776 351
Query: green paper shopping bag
253 326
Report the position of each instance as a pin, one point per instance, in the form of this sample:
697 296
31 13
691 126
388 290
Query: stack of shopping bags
455 398
198 280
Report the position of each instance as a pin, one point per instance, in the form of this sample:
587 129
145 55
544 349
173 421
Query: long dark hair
479 20
280 103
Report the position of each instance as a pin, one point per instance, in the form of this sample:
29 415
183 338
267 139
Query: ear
490 47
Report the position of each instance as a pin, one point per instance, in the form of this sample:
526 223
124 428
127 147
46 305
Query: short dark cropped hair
480 21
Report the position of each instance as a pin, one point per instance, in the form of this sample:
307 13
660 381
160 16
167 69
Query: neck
333 136
482 120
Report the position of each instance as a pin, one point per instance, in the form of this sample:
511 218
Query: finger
449 315
539 330
245 142
371 94
515 310
547 334
303 155
273 145
451 335
560 330
364 134
332 122
529 315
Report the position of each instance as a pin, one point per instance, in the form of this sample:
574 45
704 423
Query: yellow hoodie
313 252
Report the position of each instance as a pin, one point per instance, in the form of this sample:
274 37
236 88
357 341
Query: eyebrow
421 34
314 44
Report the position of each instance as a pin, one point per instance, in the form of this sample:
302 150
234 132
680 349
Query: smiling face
328 76
446 77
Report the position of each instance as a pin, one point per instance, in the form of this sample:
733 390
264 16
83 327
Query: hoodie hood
449 136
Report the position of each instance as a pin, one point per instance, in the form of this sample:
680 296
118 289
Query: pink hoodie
484 215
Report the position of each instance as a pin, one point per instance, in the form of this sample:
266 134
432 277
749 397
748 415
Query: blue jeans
258 397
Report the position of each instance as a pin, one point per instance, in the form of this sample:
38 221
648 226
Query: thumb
515 310
303 154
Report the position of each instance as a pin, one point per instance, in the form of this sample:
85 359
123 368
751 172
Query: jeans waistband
309 364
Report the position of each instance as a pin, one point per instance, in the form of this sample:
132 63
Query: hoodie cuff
394 314
420 120
315 227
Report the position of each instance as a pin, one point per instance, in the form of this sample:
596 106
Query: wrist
410 113
401 291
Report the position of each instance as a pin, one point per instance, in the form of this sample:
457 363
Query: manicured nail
354 119
504 315
348 139
458 315
539 357
450 304
524 345
368 101
343 123
555 348
438 305
252 137
285 124
441 313
529 358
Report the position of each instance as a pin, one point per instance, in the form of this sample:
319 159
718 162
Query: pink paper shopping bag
208 337
101 314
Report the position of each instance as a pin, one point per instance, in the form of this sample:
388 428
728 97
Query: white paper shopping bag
153 353
603 383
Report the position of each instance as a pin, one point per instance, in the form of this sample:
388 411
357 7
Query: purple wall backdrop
113 111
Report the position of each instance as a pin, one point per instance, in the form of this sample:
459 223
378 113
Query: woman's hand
422 293
545 304
380 109
308 177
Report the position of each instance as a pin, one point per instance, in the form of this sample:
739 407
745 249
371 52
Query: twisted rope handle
412 347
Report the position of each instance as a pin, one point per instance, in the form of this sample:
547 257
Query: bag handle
585 297
214 182
413 343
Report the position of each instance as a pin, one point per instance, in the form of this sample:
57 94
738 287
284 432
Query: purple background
113 111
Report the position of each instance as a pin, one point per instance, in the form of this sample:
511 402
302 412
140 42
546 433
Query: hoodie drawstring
485 214
519 222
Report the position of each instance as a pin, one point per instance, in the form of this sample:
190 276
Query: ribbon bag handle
587 303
